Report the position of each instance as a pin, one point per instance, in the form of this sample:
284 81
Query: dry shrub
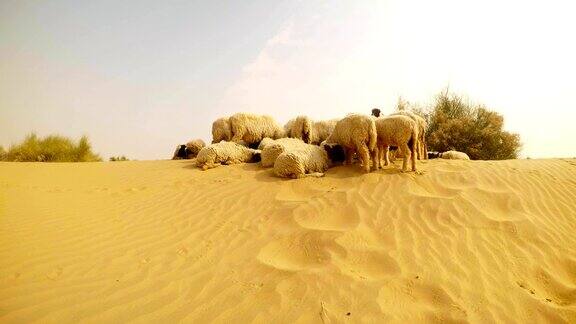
52 148
456 124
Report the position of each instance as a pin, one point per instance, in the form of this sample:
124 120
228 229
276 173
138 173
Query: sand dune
466 241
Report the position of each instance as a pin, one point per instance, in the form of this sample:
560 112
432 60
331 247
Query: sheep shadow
189 164
355 170
260 173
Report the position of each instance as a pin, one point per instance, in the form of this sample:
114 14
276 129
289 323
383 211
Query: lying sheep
355 133
189 150
454 155
221 130
224 152
265 142
251 129
309 131
180 153
422 126
400 131
194 147
272 149
433 155
302 160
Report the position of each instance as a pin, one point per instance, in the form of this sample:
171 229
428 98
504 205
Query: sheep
302 160
265 142
221 130
454 155
271 150
376 112
180 153
224 152
355 133
433 155
422 149
400 131
311 132
251 129
189 150
194 147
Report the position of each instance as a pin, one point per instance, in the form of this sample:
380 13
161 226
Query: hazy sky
140 77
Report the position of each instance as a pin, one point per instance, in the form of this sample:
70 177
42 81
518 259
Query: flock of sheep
304 147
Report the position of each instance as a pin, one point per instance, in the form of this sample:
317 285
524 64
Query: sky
140 77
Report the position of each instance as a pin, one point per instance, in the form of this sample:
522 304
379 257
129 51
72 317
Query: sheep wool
454 155
400 131
311 132
194 147
224 152
302 160
422 149
272 150
221 130
251 129
356 133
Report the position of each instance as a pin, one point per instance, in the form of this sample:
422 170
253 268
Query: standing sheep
271 150
251 129
356 133
302 160
400 131
309 131
422 149
224 152
221 130
454 155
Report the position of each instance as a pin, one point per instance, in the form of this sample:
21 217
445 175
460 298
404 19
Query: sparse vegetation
455 124
52 148
119 158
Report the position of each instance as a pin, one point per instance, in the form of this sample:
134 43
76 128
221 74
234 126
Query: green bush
52 148
455 124
119 158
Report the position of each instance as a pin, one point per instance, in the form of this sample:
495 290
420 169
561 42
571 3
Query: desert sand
162 242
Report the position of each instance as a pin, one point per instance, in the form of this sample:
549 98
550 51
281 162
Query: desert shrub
119 158
52 148
2 153
456 124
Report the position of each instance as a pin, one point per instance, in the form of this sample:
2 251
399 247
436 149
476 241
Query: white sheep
189 150
309 131
400 131
422 149
221 130
302 160
355 133
194 147
251 129
454 155
224 152
272 149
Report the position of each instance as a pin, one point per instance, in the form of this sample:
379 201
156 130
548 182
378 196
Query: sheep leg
375 157
407 154
364 155
386 154
413 156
